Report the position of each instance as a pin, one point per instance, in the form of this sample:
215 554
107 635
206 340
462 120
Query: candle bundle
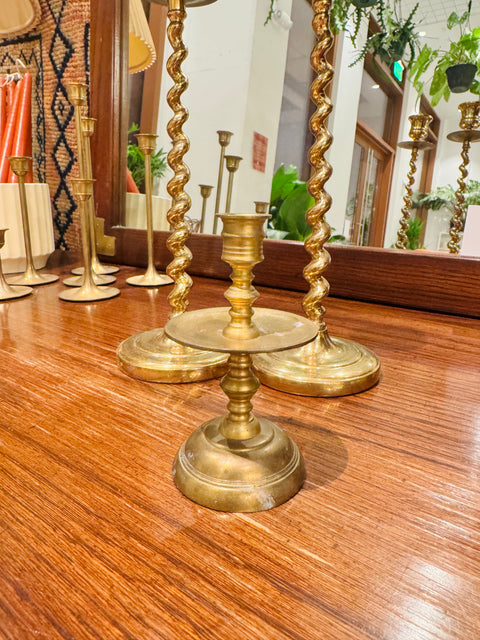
15 124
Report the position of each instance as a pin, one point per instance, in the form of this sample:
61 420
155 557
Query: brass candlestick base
238 462
99 280
31 277
100 269
6 291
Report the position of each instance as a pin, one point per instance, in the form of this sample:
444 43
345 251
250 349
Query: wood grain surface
383 542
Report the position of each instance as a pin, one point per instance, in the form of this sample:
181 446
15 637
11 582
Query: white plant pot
41 226
136 212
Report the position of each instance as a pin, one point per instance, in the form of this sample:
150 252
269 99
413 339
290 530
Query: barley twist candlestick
328 366
205 192
31 277
239 462
418 133
6 291
224 138
469 121
152 355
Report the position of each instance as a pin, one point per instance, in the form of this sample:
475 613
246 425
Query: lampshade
141 50
19 16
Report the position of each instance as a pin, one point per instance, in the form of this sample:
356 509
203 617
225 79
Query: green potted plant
455 68
136 162
344 13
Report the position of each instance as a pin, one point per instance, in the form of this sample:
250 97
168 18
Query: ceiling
431 11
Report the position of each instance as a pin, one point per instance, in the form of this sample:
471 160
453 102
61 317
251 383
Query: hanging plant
345 13
270 12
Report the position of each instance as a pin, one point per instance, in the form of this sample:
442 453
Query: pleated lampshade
141 50
18 16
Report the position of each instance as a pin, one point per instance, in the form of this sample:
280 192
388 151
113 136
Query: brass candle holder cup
232 164
205 192
240 462
151 355
6 291
418 133
328 366
151 278
224 138
261 207
469 122
88 291
31 277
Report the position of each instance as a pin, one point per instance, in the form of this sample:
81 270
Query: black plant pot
364 4
460 77
393 53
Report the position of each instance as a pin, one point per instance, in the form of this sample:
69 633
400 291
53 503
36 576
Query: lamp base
239 475
326 367
153 357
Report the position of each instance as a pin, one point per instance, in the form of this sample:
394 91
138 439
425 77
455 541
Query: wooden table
383 542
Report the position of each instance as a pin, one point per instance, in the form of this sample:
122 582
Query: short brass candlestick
418 134
89 291
6 291
470 120
151 355
232 163
31 277
151 278
99 269
328 366
205 192
224 138
239 462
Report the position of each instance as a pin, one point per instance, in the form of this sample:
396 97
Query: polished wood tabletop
96 543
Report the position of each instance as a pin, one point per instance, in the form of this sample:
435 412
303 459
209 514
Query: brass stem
26 225
180 145
240 385
205 192
219 188
322 170
402 238
87 132
148 202
88 281
228 204
456 222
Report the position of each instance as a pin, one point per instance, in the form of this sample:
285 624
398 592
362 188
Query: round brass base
91 294
99 280
153 357
11 293
32 279
149 280
99 269
326 367
239 476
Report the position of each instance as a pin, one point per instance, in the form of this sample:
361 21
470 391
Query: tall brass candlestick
232 162
151 278
205 192
99 269
151 355
418 133
469 122
31 277
240 462
328 366
224 138
88 291
6 291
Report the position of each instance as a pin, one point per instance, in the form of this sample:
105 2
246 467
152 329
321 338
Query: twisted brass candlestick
205 192
224 138
88 291
328 366
31 277
418 133
151 355
232 163
6 291
99 269
239 462
151 278
470 120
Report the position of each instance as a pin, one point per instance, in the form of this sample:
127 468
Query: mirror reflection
254 80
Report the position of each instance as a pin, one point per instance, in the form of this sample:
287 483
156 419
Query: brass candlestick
232 162
31 277
151 278
89 291
151 355
328 366
224 138
205 192
99 269
470 120
239 462
6 291
418 133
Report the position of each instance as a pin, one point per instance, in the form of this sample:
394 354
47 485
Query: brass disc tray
12 293
418 144
149 280
463 135
98 279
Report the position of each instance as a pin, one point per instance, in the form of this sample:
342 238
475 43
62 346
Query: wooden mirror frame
428 280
